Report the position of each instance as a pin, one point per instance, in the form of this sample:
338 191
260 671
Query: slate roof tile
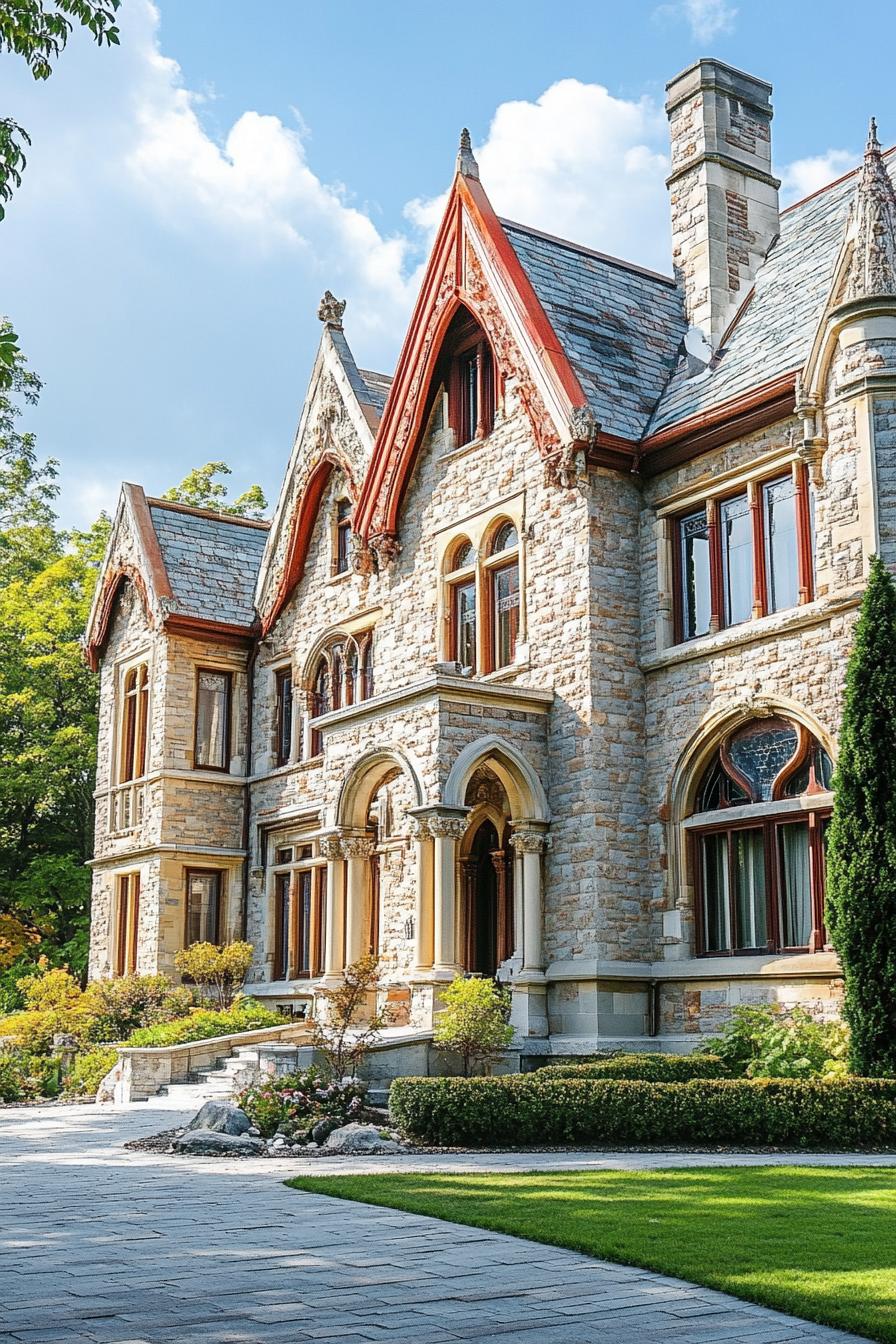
212 563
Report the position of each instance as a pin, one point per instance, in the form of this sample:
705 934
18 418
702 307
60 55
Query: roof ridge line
829 186
589 251
176 507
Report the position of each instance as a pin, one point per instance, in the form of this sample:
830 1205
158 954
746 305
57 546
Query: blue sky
190 195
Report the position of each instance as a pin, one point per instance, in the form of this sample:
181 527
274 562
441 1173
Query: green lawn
818 1242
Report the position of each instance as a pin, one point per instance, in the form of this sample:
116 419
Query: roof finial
330 310
466 163
873 145
872 227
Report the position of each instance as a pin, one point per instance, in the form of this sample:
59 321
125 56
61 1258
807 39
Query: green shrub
651 1068
473 1022
292 1105
89 1070
121 1006
541 1109
27 1077
771 1042
204 1024
220 970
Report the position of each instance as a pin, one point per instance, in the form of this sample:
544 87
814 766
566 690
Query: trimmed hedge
540 1109
649 1068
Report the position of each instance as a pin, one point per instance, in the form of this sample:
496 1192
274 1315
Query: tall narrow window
796 884
342 558
469 390
716 928
134 724
696 587
284 715
748 861
303 896
128 924
337 677
779 515
320 702
367 669
463 620
736 529
504 593
212 748
282 885
203 922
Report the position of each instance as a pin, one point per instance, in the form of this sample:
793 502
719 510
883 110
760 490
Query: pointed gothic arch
524 789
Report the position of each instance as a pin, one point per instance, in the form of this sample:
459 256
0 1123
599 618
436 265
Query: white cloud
707 19
580 163
803 176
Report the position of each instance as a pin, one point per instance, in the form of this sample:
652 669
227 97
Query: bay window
744 555
757 841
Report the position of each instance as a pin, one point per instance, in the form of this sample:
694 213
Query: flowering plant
293 1105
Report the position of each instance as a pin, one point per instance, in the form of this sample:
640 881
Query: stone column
529 1005
423 906
446 830
356 850
334 934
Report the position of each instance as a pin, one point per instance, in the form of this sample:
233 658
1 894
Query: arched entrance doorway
487 922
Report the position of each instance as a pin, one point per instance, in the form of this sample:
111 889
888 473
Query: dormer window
469 377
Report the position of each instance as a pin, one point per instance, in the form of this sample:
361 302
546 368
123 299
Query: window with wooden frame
283 711
502 579
467 371
342 675
213 712
757 859
298 919
204 906
134 724
462 586
127 923
342 537
744 555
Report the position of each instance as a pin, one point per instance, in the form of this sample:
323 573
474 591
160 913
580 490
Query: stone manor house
537 670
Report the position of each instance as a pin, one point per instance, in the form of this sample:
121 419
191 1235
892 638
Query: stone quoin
536 672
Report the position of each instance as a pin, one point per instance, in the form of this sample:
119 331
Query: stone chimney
723 196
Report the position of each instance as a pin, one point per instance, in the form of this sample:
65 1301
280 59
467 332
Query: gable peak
466 161
330 310
872 223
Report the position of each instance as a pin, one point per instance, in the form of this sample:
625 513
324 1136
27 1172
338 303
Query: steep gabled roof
620 325
773 335
212 560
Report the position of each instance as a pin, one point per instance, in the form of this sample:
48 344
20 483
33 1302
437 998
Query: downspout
653 1008
250 698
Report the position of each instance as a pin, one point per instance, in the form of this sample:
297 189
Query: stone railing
126 806
141 1071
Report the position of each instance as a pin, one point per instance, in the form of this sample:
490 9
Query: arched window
342 676
461 578
342 537
320 700
757 841
467 371
134 724
337 677
503 580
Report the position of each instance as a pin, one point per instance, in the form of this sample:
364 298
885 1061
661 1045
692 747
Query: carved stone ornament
386 547
331 846
583 425
330 310
565 468
418 828
453 828
529 842
356 847
363 560
484 787
466 162
872 222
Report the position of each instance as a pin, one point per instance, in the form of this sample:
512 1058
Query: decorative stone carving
484 787
451 827
363 559
872 266
812 447
529 842
356 847
418 828
331 846
583 425
386 548
331 310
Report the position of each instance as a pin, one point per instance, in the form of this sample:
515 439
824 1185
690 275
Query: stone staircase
218 1081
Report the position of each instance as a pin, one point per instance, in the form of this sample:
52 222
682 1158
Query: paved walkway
106 1246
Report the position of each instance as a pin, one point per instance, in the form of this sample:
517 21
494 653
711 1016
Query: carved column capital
331 846
452 828
356 846
529 842
418 828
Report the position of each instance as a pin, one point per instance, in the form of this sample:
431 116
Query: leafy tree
201 490
473 1022
38 32
221 969
861 886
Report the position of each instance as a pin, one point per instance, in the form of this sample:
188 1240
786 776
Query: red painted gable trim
113 583
301 527
441 294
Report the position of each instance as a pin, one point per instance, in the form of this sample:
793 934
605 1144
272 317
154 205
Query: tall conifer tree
861 884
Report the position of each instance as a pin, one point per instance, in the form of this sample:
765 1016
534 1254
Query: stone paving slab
99 1245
